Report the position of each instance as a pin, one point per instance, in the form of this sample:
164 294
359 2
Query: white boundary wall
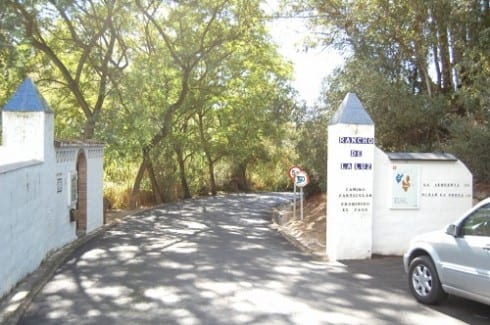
35 211
95 187
378 210
442 190
34 193
22 222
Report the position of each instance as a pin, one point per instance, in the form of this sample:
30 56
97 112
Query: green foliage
419 67
192 91
312 149
470 143
191 97
206 94
80 52
404 122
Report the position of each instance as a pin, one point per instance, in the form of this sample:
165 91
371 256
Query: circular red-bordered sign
301 179
293 171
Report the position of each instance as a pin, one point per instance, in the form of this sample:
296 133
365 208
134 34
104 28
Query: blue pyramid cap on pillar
27 99
351 111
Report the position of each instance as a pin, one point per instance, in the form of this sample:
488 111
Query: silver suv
455 261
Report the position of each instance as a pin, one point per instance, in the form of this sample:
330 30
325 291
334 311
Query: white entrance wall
350 182
440 191
66 156
376 202
35 186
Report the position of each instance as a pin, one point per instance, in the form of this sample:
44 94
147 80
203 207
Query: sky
310 67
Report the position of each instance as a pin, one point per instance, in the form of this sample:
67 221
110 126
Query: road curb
278 219
298 244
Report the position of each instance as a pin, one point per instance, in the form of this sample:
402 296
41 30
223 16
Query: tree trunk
89 128
157 194
212 180
207 152
182 175
137 184
444 48
240 176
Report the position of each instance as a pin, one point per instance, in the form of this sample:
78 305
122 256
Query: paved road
217 261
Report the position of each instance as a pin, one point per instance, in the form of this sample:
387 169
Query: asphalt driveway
218 261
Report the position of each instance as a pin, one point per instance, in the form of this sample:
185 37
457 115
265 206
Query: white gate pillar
350 178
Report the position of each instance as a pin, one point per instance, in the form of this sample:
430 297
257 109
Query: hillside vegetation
193 97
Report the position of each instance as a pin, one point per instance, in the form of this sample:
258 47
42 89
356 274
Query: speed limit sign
293 171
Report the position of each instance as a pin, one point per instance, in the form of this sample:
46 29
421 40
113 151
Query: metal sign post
301 180
294 204
292 175
301 200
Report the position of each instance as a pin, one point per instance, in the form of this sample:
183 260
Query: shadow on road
218 261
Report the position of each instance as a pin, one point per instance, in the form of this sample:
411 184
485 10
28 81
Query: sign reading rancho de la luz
355 163
378 201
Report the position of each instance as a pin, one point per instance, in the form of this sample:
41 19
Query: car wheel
424 282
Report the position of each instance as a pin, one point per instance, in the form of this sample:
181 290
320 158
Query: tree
15 55
189 32
188 93
413 62
83 40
